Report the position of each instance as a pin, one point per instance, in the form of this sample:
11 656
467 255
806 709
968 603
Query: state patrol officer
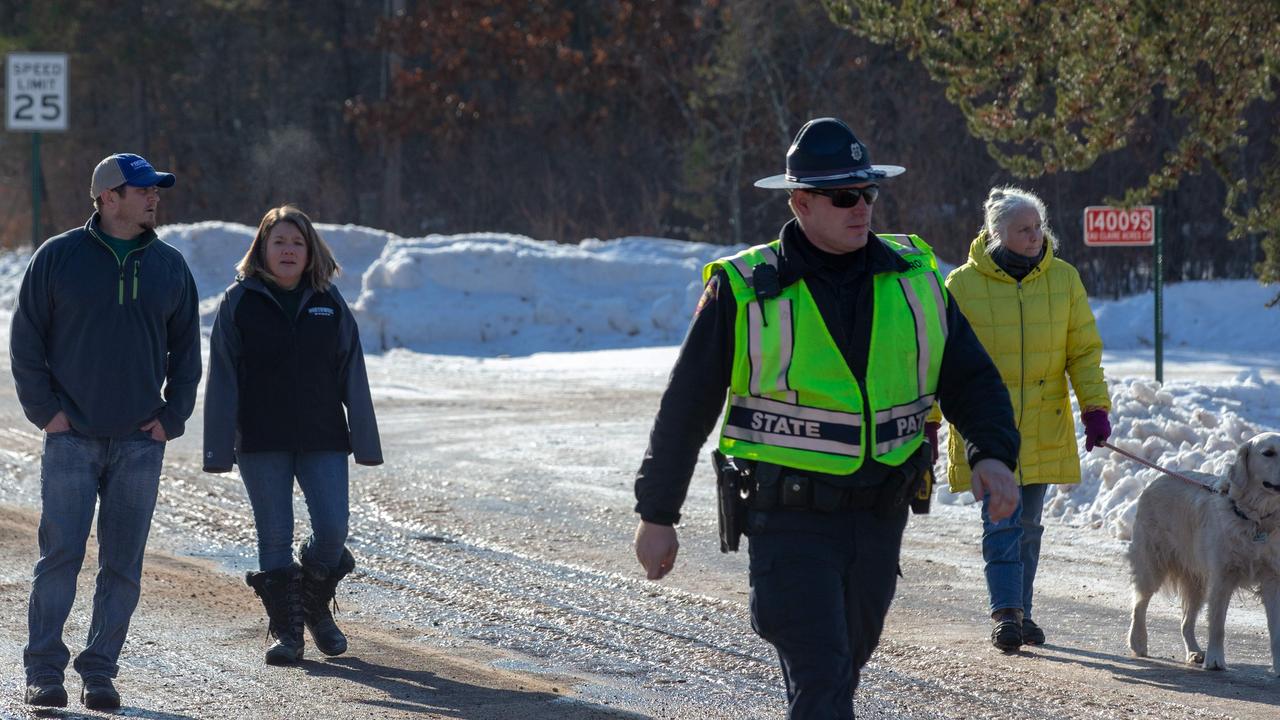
832 343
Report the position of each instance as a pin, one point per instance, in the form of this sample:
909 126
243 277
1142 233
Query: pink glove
1097 428
931 432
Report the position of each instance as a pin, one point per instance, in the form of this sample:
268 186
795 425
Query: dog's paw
1138 642
1195 657
1215 661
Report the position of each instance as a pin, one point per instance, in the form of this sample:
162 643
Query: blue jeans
1011 549
268 478
821 585
75 473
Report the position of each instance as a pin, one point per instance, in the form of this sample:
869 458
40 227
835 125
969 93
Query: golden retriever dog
1209 543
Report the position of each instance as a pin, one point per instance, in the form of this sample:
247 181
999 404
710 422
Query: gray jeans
75 471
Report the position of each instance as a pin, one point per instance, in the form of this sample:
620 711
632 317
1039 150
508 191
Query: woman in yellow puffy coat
1032 315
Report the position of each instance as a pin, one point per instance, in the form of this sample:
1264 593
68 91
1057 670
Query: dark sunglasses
848 197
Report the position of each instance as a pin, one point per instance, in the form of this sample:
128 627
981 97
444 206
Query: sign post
1106 226
1159 299
35 102
36 186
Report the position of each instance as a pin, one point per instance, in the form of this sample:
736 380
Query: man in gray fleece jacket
105 351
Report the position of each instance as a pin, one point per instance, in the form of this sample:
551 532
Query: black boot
319 587
99 693
46 693
1031 632
281 593
1006 632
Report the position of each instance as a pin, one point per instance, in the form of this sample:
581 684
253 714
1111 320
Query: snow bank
492 294
12 265
1181 426
488 294
480 294
212 250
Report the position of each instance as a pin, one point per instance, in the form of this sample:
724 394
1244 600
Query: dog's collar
1236 509
1259 535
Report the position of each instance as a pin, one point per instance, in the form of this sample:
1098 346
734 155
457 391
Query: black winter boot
281 593
1031 632
319 587
1006 633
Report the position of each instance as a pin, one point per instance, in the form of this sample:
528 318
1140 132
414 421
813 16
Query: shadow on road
422 691
1244 681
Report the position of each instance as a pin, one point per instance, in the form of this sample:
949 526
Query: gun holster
735 489
911 483
923 496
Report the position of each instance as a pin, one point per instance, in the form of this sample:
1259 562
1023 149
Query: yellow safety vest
793 400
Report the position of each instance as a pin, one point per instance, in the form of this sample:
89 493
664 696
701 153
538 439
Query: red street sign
1116 227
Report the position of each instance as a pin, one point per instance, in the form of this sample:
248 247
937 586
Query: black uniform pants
821 585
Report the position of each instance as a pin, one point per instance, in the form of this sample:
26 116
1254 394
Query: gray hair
1002 202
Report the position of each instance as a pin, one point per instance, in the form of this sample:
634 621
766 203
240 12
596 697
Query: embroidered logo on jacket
321 311
709 294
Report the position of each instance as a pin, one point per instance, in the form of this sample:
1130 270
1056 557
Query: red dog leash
1153 466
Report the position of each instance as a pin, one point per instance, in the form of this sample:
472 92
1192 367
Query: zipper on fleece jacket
121 262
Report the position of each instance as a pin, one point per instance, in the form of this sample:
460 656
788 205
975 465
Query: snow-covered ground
621 305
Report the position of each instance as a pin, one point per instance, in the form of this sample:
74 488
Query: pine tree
1051 87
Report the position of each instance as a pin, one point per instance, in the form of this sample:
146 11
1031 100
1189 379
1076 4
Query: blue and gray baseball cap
126 169
826 154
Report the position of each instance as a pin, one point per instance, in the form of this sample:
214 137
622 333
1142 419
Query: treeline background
560 120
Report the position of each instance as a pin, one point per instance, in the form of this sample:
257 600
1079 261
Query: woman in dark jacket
285 360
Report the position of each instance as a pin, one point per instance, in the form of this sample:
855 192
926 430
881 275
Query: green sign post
1106 226
35 102
36 186
1159 299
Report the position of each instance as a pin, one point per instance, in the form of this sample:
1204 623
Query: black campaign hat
825 154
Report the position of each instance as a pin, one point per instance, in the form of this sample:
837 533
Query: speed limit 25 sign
36 92
1113 226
